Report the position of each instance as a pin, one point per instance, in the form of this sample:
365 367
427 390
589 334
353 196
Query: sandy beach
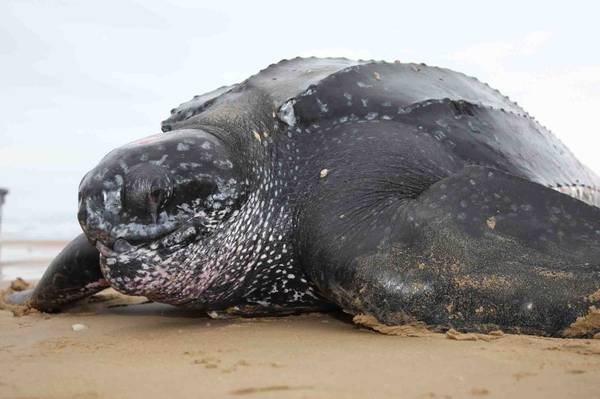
113 346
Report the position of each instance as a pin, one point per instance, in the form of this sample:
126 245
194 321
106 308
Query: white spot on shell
322 106
182 147
286 113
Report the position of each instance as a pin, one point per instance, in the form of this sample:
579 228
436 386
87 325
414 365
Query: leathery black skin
408 192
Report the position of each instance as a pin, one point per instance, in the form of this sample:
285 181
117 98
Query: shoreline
27 258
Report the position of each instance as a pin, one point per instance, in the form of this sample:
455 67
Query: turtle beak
104 250
120 246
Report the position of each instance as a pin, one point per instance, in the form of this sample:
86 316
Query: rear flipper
481 250
72 275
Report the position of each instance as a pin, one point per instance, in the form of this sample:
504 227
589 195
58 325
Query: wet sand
126 348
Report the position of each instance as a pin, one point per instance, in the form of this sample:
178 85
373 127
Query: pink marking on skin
146 140
102 283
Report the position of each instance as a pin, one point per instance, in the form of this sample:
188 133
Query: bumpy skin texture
400 190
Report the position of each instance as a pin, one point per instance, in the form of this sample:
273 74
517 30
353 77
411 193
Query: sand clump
16 310
19 284
586 325
419 329
416 329
459 336
16 285
594 297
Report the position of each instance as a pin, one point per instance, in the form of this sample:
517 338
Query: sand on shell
130 348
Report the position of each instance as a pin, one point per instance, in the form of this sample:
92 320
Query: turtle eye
147 187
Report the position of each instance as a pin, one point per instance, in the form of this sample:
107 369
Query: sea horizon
28 244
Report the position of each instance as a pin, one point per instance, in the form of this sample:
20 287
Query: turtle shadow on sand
112 302
14 299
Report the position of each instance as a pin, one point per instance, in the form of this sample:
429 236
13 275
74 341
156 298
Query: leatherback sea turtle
401 191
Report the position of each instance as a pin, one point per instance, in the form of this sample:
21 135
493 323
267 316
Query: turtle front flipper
478 250
72 275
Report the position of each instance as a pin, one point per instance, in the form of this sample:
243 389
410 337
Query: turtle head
167 186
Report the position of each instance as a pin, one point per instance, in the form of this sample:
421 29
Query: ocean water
28 244
17 226
27 259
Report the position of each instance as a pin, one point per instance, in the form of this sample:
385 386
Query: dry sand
129 349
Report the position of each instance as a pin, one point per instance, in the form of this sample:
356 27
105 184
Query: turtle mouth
135 233
119 247
124 239
164 237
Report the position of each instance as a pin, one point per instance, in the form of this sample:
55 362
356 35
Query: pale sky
82 77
